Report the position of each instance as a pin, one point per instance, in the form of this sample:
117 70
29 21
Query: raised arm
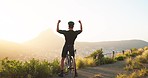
80 25
58 25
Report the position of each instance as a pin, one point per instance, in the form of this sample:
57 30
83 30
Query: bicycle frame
70 64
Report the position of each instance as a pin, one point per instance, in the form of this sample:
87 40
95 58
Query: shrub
127 54
28 69
128 61
134 54
140 59
98 54
146 48
89 62
107 60
12 68
140 50
134 65
80 63
128 67
143 72
134 49
145 54
98 62
133 75
86 62
120 57
121 76
54 66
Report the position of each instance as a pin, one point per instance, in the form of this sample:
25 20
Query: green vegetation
136 61
85 62
120 57
95 59
28 69
137 65
137 74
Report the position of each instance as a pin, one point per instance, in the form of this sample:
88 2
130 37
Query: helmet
71 23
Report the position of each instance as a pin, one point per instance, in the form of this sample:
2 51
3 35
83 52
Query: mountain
10 49
46 39
50 42
48 45
109 46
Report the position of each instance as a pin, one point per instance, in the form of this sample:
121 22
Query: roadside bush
85 62
120 57
127 54
107 60
142 73
89 62
133 65
146 48
54 66
140 59
134 49
98 62
121 76
80 63
145 54
28 69
134 54
133 75
98 54
140 51
128 61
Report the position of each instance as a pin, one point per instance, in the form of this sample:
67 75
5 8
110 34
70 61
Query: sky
103 20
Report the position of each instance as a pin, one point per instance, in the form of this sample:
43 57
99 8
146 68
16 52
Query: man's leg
64 52
62 67
62 63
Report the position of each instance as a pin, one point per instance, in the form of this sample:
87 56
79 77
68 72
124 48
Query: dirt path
105 71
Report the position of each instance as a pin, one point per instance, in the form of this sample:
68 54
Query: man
70 36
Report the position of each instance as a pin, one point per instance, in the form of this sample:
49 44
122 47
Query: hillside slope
50 41
48 45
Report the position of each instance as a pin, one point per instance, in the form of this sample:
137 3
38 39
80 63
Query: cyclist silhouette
70 36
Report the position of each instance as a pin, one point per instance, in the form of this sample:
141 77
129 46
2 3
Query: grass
136 74
136 65
85 62
145 54
36 69
120 57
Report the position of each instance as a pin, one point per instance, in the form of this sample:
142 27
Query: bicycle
70 65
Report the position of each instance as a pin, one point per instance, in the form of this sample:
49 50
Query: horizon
60 35
105 20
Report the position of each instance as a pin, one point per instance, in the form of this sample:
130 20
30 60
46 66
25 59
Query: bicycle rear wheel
72 70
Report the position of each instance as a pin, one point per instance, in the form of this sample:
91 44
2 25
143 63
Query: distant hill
48 45
47 39
109 46
50 41
10 49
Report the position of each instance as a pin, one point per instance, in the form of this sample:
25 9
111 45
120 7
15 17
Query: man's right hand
59 21
58 25
79 21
